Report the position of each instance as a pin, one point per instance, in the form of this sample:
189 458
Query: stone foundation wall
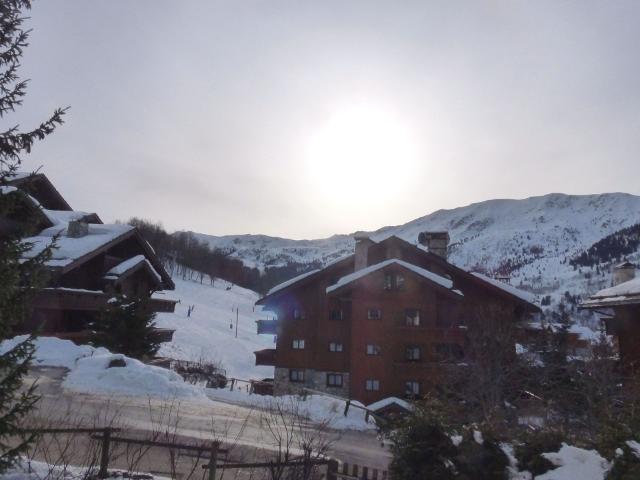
314 379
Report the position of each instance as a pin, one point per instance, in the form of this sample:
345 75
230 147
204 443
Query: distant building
92 261
619 308
385 321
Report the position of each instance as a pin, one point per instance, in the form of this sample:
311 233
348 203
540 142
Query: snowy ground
89 373
209 332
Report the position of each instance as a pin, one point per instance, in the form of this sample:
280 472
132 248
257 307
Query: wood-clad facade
390 332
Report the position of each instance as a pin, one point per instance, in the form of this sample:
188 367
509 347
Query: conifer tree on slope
17 280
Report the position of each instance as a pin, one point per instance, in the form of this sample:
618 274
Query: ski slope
209 332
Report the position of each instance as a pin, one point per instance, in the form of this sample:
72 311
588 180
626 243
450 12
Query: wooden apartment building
92 261
381 322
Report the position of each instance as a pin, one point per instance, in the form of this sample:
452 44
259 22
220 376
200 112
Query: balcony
266 357
267 327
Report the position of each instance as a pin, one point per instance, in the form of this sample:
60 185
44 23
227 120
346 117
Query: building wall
391 368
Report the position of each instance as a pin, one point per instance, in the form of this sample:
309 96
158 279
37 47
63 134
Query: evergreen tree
126 325
18 279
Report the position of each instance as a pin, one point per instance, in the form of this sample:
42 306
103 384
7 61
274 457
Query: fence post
213 460
104 458
332 470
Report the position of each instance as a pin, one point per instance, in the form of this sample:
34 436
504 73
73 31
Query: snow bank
317 408
54 352
92 374
575 463
89 372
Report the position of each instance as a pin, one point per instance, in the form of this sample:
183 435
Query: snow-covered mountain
531 240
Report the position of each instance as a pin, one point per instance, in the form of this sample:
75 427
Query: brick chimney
77 229
623 273
363 242
436 242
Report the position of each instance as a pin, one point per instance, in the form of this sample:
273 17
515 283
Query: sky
302 119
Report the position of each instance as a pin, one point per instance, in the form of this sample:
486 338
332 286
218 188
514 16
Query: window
297 344
374 314
296 375
298 314
334 380
371 385
412 317
449 352
394 281
373 349
412 389
337 314
412 354
335 347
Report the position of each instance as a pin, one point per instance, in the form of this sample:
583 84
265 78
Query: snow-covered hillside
531 240
209 332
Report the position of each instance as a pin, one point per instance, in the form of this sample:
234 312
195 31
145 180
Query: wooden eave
167 282
457 271
41 177
303 282
135 268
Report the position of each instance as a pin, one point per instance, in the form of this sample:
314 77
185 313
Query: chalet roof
69 250
291 281
40 187
73 252
426 274
627 293
525 296
522 298
133 264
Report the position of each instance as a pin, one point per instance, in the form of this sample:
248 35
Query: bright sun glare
361 154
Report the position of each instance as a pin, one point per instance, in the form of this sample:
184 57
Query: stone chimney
363 242
436 242
77 229
623 273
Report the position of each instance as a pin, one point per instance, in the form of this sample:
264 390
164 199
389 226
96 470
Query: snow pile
90 372
94 374
54 352
34 470
210 331
317 408
575 463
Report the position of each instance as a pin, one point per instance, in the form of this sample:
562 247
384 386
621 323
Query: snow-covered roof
291 281
129 264
352 277
70 249
385 402
627 293
631 287
516 292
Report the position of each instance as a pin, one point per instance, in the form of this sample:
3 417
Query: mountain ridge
530 240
